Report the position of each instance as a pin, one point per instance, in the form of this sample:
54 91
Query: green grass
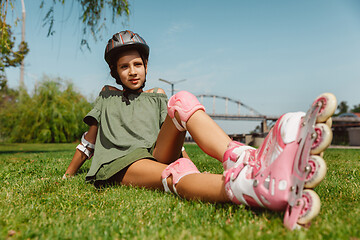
36 204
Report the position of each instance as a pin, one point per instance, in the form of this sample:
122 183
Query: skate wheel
329 122
317 171
329 105
311 208
323 138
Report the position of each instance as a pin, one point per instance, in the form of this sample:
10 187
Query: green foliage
92 15
356 108
36 204
52 115
8 56
7 95
343 107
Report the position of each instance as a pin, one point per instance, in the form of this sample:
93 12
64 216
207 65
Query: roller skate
281 173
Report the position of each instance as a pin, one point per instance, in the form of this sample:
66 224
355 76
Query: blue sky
275 56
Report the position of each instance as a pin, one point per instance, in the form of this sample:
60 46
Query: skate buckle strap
292 214
233 173
235 152
229 154
254 161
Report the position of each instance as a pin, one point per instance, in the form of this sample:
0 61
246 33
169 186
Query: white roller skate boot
275 175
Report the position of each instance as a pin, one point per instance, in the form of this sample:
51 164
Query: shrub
52 115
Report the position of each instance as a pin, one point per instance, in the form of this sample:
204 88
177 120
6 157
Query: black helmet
125 40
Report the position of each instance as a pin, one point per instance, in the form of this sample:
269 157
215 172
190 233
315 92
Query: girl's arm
79 157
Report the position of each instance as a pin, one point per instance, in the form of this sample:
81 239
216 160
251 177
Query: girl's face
131 70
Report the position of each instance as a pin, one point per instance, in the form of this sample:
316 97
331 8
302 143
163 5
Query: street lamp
22 85
171 83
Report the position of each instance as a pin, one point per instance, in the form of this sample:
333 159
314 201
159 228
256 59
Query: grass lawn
36 204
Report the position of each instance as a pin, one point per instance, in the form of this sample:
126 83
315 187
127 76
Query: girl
139 137
130 148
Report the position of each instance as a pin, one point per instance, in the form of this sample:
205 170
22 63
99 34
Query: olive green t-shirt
125 123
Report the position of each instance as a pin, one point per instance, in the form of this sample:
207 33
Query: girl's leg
201 186
187 113
169 142
207 134
211 139
205 131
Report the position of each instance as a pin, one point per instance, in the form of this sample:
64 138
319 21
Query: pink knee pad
185 104
178 169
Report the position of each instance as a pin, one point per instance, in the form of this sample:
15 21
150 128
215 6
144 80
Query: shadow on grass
82 170
256 211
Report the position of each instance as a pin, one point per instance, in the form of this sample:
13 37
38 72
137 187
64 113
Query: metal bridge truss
252 116
257 116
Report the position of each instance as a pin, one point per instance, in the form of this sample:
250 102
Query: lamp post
22 85
171 83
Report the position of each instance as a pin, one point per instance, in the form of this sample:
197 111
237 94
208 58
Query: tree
356 109
8 56
7 95
343 107
92 16
52 115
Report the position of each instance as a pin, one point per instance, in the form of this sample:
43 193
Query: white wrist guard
84 145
